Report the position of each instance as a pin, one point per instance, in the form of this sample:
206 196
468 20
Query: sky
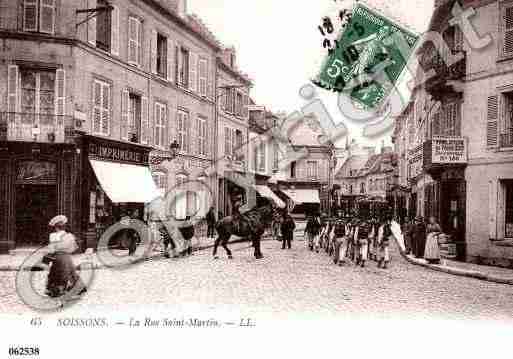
279 46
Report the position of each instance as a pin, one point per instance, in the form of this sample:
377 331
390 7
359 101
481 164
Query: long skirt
364 249
432 251
340 251
62 276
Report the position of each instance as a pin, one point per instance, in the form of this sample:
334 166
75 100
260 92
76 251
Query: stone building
455 138
91 87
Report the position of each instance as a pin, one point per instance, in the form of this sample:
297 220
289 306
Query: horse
251 224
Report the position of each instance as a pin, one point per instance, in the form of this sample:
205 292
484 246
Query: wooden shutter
177 64
97 104
106 109
170 57
145 125
91 24
492 121
188 132
124 114
165 136
156 121
153 51
30 15
133 34
114 31
12 90
245 106
193 71
210 80
227 141
60 92
508 31
47 16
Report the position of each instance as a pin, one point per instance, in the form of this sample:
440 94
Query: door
35 206
452 209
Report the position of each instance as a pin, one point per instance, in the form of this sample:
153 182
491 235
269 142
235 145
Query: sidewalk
9 262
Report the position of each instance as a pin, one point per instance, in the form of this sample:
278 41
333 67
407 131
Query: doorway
35 206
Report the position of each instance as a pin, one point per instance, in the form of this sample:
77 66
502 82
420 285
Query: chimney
181 8
230 57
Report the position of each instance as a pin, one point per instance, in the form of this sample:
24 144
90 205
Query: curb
458 272
96 266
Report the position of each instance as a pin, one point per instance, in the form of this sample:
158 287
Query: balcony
446 77
506 139
35 127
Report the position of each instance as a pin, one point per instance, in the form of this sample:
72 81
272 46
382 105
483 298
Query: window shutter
97 103
132 40
139 43
106 109
156 120
60 92
188 133
164 122
114 32
177 64
145 126
124 114
227 141
193 71
508 31
47 16
12 90
492 121
170 57
91 24
153 51
30 15
210 80
245 106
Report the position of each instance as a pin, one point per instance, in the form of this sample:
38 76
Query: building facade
455 138
87 81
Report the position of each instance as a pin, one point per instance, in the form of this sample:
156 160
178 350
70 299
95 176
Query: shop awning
267 193
124 183
303 195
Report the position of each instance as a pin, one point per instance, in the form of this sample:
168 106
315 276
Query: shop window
39 16
161 56
508 186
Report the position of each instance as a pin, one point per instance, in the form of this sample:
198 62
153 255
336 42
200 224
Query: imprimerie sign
448 150
114 153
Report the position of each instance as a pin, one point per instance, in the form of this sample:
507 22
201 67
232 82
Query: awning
124 183
303 195
267 193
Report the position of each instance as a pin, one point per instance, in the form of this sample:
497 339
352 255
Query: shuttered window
193 71
202 136
39 15
134 40
60 92
507 17
183 131
492 121
203 77
228 144
101 108
160 124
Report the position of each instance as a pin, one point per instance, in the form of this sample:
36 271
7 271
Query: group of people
351 240
422 239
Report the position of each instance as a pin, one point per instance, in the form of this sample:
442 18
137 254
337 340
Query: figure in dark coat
419 237
211 222
287 231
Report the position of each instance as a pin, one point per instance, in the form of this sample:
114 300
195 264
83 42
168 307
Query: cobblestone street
286 283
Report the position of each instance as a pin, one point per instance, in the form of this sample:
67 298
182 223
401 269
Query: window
293 170
184 67
134 118
312 169
239 104
160 179
508 209
39 16
261 157
183 130
506 132
450 119
134 41
161 56
160 125
203 75
37 91
103 27
228 142
202 136
238 139
101 108
362 187
276 156
507 30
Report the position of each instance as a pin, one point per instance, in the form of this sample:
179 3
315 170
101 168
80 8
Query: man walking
287 230
211 222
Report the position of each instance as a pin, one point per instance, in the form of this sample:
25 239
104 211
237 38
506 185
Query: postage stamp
366 61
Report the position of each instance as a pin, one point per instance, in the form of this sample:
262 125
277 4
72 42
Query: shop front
116 182
37 182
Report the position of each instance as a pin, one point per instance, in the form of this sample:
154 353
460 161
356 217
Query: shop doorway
36 201
35 206
452 209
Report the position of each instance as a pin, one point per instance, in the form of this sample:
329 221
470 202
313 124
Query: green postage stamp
367 60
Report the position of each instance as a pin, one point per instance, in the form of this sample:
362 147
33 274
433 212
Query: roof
307 133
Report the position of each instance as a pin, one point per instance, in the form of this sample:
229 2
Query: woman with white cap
62 277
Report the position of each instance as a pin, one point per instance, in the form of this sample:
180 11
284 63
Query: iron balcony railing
506 139
35 127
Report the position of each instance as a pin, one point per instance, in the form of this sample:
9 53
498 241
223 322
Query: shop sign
449 150
415 162
109 152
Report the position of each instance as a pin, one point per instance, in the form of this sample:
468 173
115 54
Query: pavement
284 284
